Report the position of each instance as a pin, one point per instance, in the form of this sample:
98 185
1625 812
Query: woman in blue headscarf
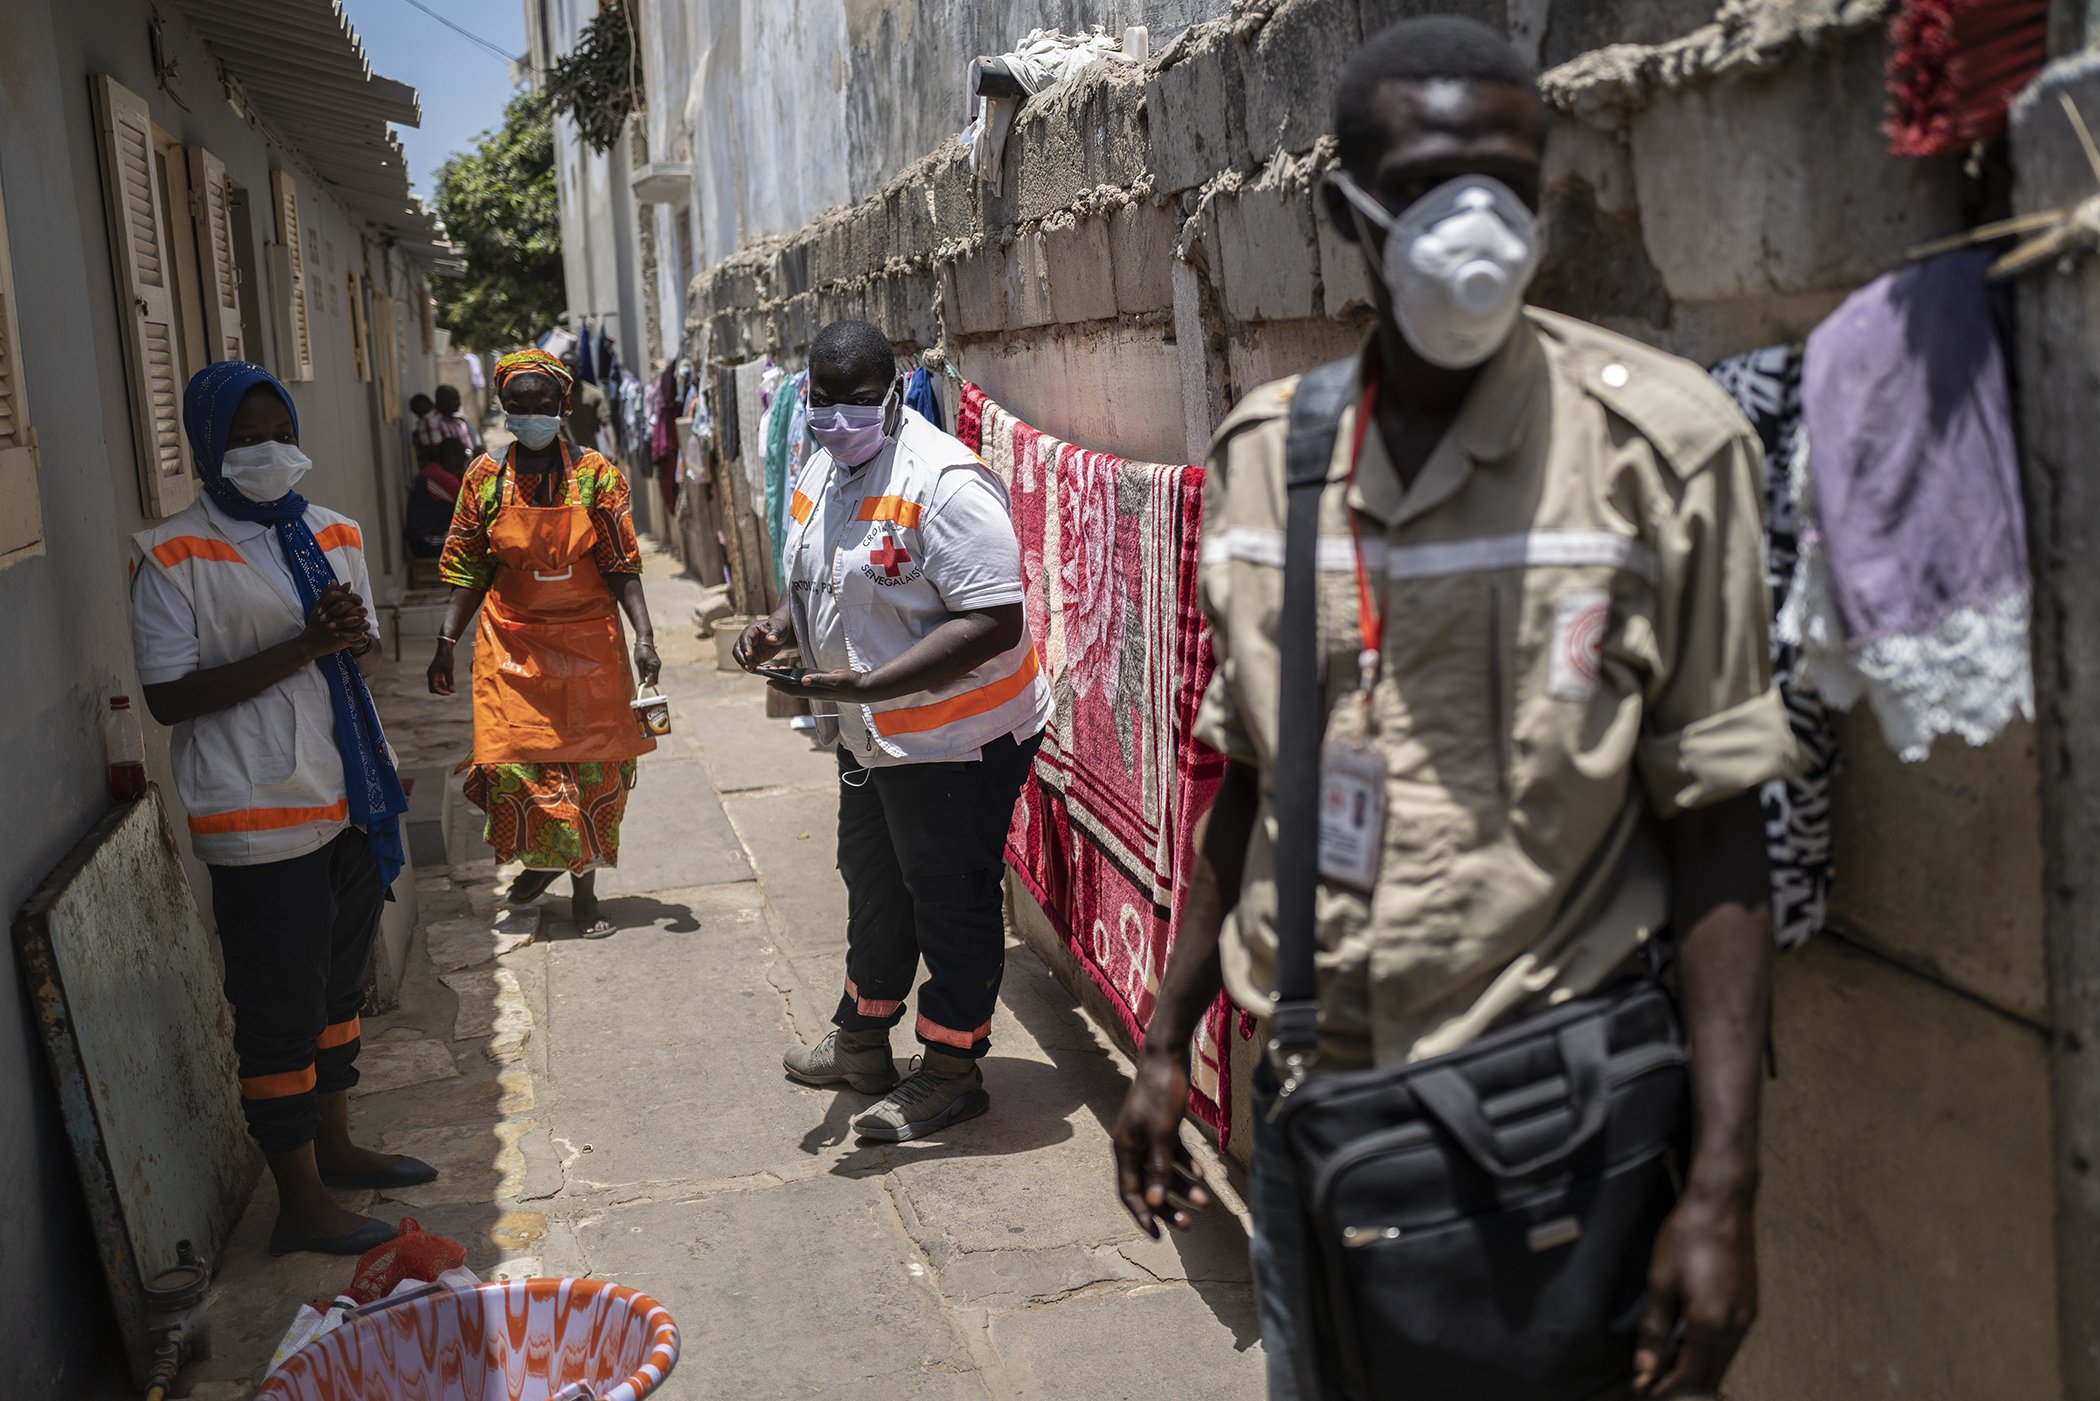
247 614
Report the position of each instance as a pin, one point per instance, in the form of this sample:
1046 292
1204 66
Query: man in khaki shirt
1559 545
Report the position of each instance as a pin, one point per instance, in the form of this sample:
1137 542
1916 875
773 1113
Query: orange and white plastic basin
525 1340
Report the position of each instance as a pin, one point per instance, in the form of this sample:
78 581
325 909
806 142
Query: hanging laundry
919 393
753 395
1105 832
663 422
586 355
728 403
779 419
1912 588
699 437
632 410
1766 386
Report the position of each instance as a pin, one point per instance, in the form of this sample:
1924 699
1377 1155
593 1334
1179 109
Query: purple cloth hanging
1909 421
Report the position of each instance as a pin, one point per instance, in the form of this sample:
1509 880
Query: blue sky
463 86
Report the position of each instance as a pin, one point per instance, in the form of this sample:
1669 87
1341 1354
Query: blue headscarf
376 798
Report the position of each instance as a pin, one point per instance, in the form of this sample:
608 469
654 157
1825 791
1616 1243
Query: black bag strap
1315 419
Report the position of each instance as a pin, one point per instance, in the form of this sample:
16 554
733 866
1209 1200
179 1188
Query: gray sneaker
840 1059
942 1090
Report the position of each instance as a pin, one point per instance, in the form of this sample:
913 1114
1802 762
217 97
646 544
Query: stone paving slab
1158 1343
675 833
396 1065
665 1057
797 1290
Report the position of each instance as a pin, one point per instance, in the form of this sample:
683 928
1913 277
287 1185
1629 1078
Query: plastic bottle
126 748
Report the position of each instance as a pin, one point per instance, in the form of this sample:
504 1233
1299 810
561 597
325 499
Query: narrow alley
616 1109
1495 604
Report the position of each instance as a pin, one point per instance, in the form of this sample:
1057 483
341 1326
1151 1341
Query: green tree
501 210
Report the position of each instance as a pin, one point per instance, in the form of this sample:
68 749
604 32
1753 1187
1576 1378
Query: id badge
1352 814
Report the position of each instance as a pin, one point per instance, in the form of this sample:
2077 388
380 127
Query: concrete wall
598 210
2058 368
1712 187
64 617
788 108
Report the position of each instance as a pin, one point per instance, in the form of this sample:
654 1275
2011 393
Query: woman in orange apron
543 545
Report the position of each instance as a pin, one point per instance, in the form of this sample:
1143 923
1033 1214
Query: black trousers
922 848
297 935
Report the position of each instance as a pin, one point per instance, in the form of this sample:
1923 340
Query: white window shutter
295 330
222 278
360 331
21 510
145 304
389 361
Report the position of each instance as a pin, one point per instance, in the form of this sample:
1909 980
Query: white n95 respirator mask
1456 264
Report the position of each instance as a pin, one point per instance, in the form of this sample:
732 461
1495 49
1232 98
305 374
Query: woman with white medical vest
248 607
905 597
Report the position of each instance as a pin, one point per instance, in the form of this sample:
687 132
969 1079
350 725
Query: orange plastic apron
551 672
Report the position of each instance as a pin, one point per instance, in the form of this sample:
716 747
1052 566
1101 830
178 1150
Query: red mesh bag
413 1254
1955 68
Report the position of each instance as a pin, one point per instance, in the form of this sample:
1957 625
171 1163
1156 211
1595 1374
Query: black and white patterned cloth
1766 385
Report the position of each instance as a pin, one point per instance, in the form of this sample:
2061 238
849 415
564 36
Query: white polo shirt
163 625
957 554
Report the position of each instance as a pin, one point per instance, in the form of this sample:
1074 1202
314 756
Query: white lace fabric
1969 673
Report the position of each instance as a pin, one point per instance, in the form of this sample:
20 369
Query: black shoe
942 1090
286 1238
406 1172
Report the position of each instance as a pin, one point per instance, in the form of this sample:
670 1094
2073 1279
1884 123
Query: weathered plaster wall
1715 184
791 107
598 211
1206 161
64 618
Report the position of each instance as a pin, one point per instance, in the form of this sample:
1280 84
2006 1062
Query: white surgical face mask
852 433
534 430
1456 264
264 472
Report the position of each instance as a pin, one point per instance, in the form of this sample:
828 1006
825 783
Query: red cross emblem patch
892 557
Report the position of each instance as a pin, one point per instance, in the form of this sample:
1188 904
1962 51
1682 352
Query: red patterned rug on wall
1102 834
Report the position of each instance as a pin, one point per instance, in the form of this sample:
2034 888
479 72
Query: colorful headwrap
537 362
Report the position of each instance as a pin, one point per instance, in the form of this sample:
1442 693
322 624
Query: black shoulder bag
1481 1223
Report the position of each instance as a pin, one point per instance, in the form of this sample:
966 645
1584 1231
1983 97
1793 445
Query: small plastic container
125 747
652 714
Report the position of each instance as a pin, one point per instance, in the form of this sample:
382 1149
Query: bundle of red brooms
1956 67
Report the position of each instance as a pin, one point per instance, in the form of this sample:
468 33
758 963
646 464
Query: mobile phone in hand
791 674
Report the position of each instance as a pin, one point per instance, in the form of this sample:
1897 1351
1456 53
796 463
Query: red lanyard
1370 620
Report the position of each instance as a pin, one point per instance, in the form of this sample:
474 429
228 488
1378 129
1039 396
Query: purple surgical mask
851 433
